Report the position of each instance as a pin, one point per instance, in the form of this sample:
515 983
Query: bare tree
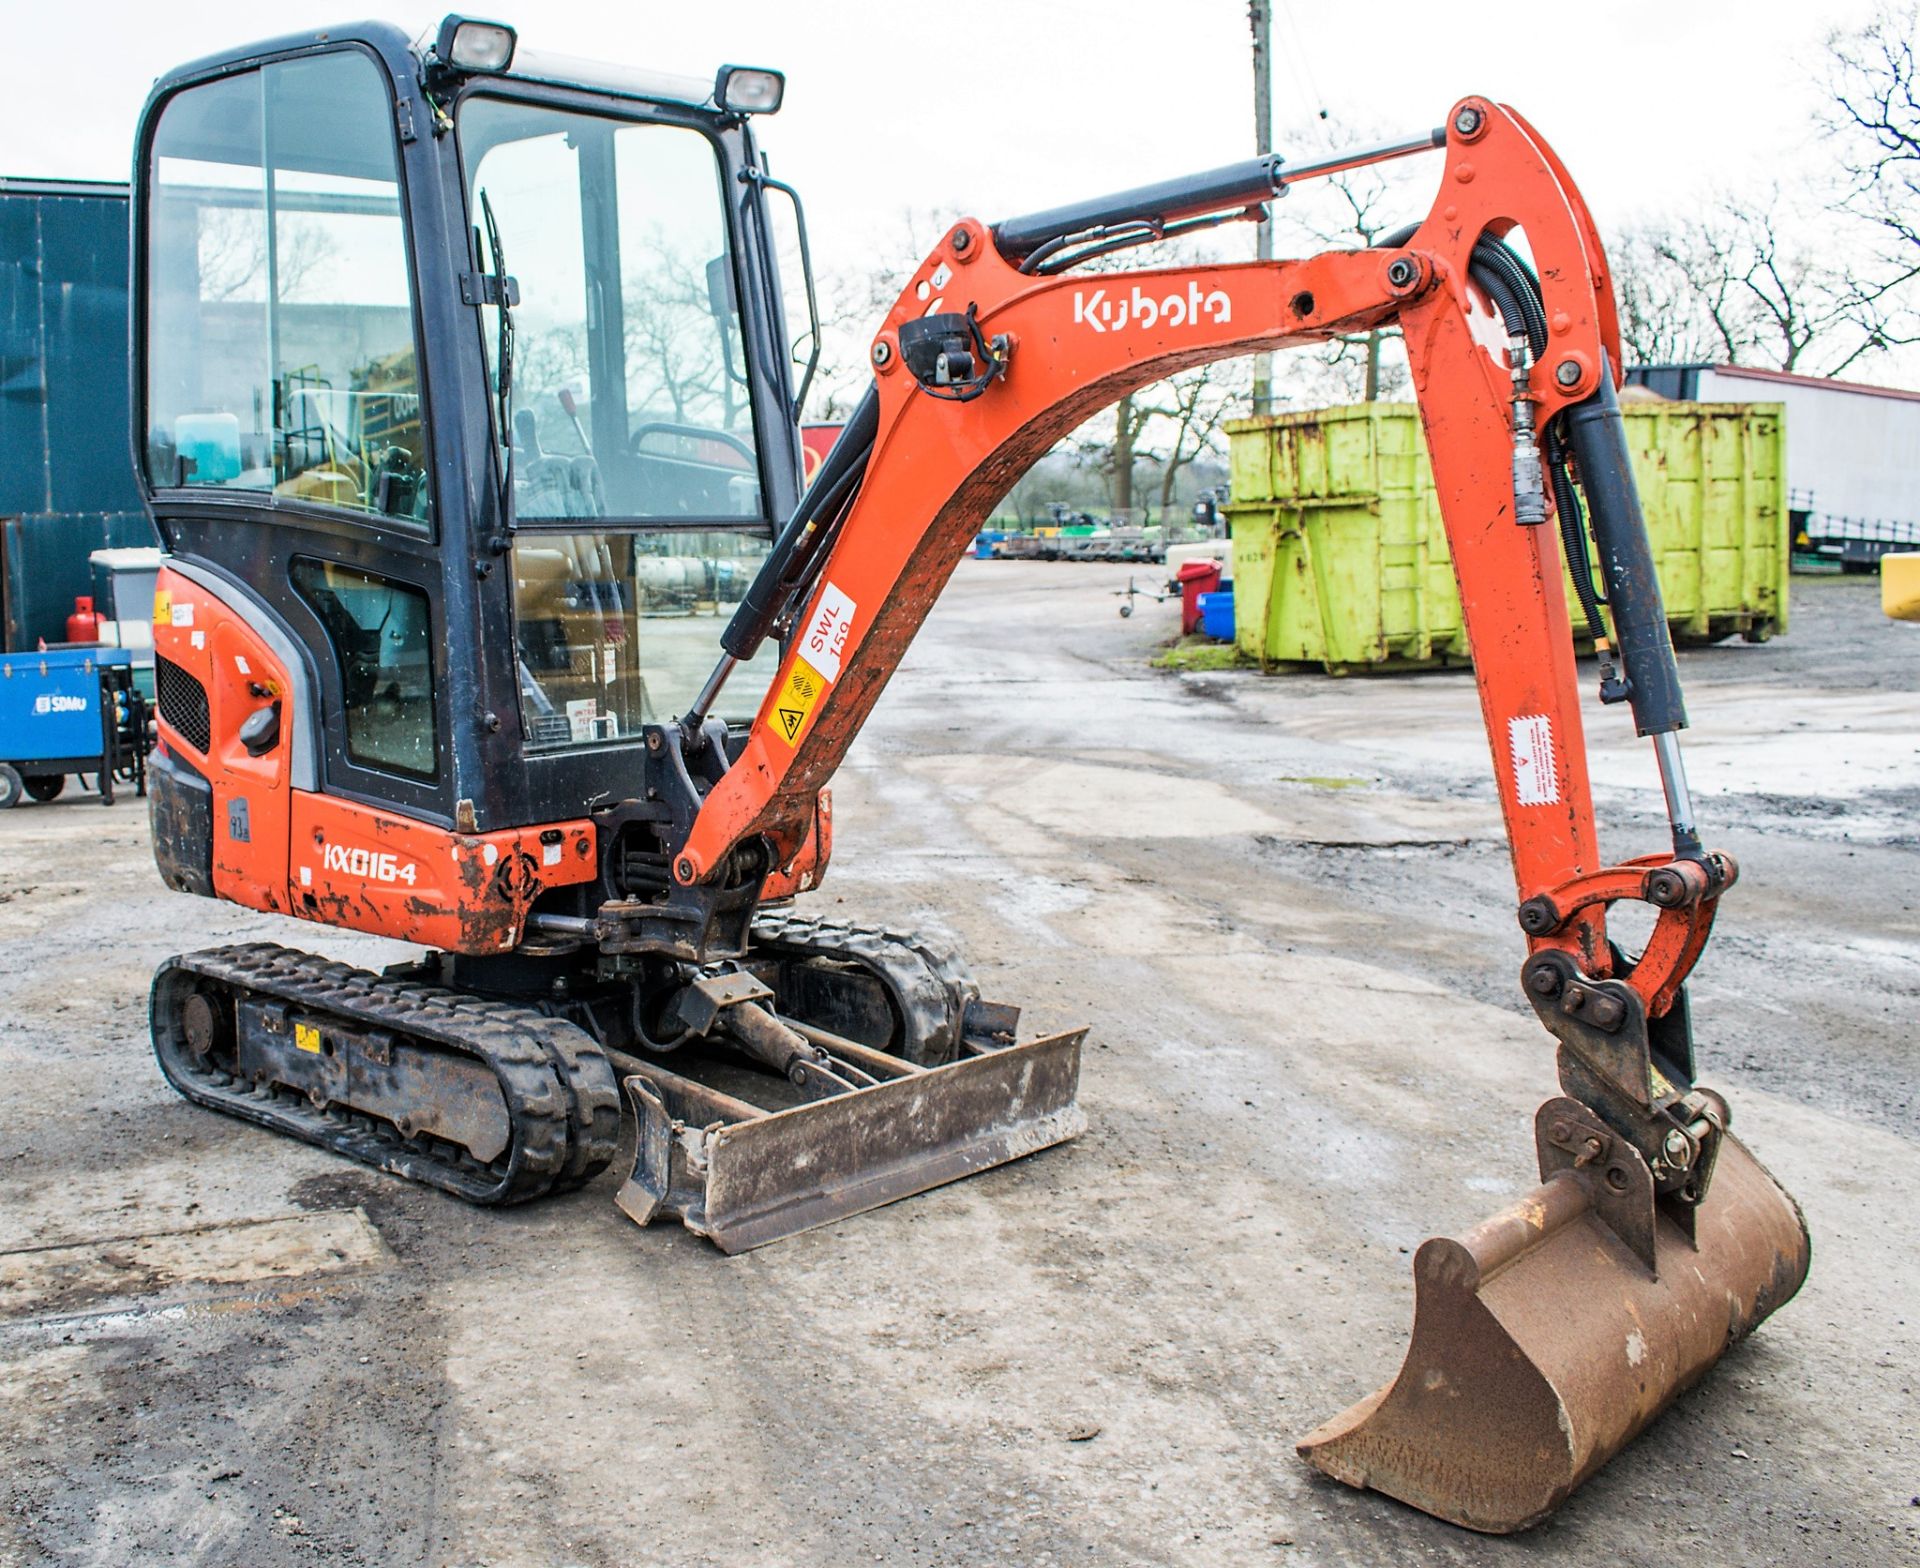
1193 406
1355 209
233 254
854 301
1874 114
679 359
1110 447
1672 308
1801 311
1735 284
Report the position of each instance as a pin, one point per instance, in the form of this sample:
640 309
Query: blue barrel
1216 614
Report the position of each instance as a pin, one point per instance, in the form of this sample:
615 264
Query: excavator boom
1546 1338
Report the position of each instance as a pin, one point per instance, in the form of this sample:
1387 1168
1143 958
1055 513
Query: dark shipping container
67 485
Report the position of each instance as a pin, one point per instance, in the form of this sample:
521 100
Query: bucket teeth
1542 1344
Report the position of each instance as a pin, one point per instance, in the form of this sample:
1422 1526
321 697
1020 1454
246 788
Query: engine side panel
371 870
210 640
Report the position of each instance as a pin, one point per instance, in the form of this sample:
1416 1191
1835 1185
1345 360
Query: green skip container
1340 559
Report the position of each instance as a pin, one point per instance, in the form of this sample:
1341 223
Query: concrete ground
1284 907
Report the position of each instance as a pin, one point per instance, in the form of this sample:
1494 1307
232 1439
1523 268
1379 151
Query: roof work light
744 89
466 44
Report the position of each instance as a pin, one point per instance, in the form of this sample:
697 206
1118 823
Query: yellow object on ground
1900 586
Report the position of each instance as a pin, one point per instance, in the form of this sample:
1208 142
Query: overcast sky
1000 106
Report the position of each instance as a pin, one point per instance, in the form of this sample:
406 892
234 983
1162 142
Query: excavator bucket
1542 1343
744 1174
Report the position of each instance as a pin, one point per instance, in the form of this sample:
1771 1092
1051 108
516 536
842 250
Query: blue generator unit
65 711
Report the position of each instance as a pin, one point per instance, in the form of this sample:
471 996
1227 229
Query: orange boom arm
1076 343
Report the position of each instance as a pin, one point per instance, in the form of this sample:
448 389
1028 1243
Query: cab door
283 434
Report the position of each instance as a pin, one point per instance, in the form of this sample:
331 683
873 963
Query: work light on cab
744 89
465 44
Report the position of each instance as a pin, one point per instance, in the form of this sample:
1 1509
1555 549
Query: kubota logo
1140 309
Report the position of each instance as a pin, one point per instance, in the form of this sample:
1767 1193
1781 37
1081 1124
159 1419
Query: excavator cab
504 365
466 411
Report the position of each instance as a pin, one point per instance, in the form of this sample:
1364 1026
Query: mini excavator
497 620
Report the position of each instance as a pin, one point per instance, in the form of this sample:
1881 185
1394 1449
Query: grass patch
1201 654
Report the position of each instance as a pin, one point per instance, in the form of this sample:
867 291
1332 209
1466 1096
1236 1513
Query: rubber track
562 1105
585 1075
927 979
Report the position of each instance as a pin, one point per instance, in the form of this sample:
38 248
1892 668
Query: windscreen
617 629
628 386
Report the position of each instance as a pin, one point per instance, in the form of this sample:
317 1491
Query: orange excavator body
416 708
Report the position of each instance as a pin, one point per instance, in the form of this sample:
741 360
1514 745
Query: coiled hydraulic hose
1506 279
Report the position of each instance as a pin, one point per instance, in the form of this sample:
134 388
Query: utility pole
1260 15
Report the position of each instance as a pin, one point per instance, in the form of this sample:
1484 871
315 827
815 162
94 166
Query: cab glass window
617 630
382 640
280 330
627 376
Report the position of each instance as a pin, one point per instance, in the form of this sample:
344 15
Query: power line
1300 64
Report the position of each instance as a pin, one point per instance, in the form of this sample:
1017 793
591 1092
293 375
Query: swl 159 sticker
825 638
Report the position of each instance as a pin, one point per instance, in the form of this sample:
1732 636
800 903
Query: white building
1853 451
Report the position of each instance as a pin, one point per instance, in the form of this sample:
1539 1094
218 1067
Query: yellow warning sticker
162 607
1662 1085
307 1037
793 703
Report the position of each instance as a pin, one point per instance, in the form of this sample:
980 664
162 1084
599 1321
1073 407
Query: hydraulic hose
1495 256
802 541
1595 434
1510 283
1573 541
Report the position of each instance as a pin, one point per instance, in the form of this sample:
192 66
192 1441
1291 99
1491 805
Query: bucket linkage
1545 1338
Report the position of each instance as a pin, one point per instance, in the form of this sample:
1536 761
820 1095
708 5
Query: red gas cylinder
1196 578
83 625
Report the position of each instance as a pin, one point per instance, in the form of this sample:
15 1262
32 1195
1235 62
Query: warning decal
1535 781
825 638
793 703
307 1038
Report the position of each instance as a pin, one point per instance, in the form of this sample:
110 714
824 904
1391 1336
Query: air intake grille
183 704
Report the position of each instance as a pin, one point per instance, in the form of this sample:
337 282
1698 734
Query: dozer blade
1542 1344
742 1176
